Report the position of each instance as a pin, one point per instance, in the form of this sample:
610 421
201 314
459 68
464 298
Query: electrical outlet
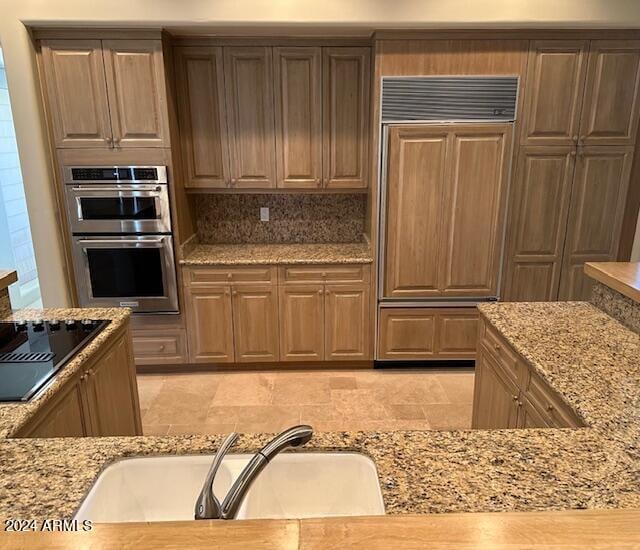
264 213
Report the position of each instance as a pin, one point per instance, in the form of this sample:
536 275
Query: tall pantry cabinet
573 166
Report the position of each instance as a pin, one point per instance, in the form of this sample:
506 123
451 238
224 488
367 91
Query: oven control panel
115 174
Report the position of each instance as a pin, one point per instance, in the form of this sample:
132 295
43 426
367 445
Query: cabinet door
346 84
210 326
554 90
406 334
417 176
64 417
255 323
538 221
249 98
495 399
595 215
529 417
113 401
298 111
76 90
301 322
475 206
457 333
346 320
201 110
610 111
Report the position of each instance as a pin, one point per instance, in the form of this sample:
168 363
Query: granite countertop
14 415
262 254
587 356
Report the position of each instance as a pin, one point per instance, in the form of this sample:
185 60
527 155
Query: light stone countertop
277 254
14 415
591 359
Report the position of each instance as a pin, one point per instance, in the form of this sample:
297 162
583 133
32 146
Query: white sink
293 485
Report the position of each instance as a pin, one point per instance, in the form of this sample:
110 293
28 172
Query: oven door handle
98 189
120 241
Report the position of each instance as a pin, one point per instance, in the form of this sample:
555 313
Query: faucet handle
208 505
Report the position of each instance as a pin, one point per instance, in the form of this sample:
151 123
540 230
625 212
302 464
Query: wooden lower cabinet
495 403
160 346
427 333
346 322
255 323
509 394
301 322
100 400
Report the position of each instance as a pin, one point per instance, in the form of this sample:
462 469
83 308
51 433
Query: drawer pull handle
229 276
497 347
550 408
519 403
514 397
161 347
320 291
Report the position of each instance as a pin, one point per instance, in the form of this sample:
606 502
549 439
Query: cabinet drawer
321 273
156 348
513 367
203 276
549 404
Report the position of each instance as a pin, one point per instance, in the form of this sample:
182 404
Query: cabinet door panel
298 112
76 89
529 417
555 85
475 207
457 334
611 106
210 327
346 85
301 322
249 98
137 94
495 399
538 220
346 322
255 323
65 417
416 184
406 334
203 124
112 402
595 216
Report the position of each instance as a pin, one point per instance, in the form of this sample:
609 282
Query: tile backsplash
294 218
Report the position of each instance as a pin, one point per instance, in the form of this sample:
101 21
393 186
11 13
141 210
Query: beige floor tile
149 386
415 390
358 405
244 389
405 412
343 383
181 401
253 414
457 385
204 428
298 389
155 429
448 417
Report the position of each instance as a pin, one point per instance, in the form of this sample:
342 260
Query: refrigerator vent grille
449 98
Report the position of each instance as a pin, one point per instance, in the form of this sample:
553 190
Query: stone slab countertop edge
424 471
14 415
623 277
7 277
277 254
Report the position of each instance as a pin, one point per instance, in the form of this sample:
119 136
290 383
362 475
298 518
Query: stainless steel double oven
122 243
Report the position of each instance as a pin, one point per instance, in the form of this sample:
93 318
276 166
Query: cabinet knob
229 276
83 377
327 292
318 182
573 153
519 403
497 347
514 397
320 291
575 138
234 293
550 408
161 348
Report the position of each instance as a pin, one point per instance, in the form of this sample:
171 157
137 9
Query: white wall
305 16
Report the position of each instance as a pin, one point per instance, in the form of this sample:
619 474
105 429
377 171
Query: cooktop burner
31 352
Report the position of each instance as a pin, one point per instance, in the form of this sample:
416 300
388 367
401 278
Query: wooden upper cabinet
255 322
76 90
595 216
137 93
346 318
298 117
301 322
555 85
417 177
249 99
475 202
346 86
541 190
611 104
209 324
202 116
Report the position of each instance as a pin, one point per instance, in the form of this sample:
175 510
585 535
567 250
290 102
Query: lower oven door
126 271
132 208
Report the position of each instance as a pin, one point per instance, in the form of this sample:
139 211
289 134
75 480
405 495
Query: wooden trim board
621 276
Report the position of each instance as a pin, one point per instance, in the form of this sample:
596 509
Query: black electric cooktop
31 352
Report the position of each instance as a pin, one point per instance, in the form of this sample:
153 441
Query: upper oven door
131 271
118 208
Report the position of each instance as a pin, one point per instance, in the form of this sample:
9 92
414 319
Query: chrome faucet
208 506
